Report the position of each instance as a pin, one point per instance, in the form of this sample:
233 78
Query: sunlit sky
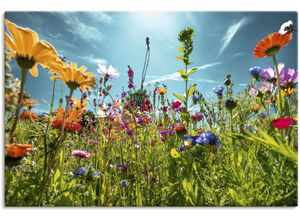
223 44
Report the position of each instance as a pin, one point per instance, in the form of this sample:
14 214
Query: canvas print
157 109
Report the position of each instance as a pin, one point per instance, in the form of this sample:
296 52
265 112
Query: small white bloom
110 71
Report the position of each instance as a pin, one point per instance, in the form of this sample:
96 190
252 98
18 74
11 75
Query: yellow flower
74 76
24 45
162 90
288 91
79 104
255 108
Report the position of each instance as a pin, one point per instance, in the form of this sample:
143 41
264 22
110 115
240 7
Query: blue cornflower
79 171
205 138
181 148
219 91
255 72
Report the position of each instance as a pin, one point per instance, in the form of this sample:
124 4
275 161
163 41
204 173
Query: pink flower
282 123
110 72
80 154
176 104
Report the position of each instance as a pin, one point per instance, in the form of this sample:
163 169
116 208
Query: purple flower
266 87
131 85
165 108
197 117
120 167
181 148
80 154
288 77
219 91
255 72
130 73
269 74
195 98
96 173
79 171
123 94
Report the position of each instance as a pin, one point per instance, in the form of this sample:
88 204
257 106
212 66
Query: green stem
278 85
14 126
47 128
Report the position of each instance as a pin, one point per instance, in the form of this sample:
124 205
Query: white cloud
79 27
93 60
231 32
176 76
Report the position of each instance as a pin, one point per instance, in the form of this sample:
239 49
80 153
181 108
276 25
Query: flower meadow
143 148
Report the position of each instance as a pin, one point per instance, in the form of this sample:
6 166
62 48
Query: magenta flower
80 154
282 123
109 72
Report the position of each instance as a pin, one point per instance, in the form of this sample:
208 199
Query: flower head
205 138
255 72
18 150
282 123
80 154
180 129
197 117
80 171
270 45
24 45
162 90
176 105
288 77
28 115
110 72
75 77
219 91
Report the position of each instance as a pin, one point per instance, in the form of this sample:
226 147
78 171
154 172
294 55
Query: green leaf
191 90
192 71
180 57
174 153
179 96
180 49
182 74
56 175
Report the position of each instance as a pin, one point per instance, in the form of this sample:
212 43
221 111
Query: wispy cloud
93 60
176 76
81 26
231 32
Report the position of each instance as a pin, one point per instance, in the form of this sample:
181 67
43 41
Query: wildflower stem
47 128
13 128
278 85
63 120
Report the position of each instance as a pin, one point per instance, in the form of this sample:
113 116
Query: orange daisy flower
18 150
27 115
270 45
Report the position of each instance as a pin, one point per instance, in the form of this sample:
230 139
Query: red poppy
282 122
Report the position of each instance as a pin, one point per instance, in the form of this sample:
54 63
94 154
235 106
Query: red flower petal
282 123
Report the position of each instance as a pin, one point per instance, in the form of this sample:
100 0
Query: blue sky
223 44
